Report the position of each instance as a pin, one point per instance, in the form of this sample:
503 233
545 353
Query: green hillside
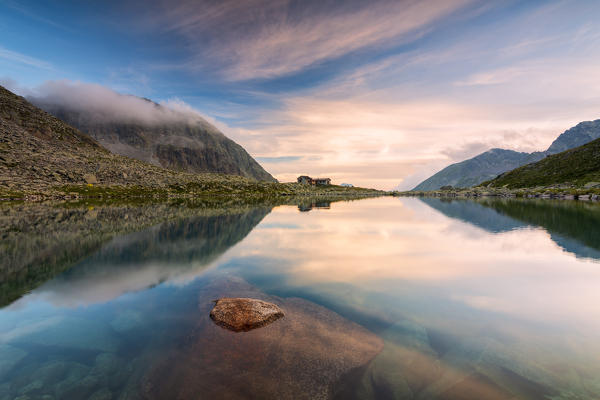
576 167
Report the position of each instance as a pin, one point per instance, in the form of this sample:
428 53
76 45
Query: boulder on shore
243 314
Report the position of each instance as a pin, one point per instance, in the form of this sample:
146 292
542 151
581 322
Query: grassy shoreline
214 188
552 192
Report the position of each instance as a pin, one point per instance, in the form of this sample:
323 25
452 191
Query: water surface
384 298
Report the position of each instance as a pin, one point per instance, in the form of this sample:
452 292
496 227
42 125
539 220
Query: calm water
384 298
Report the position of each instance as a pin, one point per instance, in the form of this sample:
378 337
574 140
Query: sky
374 93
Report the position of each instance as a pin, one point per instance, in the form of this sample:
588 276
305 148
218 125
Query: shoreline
581 194
249 191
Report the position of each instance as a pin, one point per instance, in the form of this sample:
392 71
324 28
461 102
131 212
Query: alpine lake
384 298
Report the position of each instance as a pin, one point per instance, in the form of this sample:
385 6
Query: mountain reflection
174 250
42 243
572 225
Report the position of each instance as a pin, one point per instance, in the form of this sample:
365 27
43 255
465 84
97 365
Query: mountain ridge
578 167
488 165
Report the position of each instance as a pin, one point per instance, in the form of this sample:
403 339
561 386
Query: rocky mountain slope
38 151
577 167
494 162
177 140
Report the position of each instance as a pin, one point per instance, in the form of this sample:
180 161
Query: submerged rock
300 356
242 314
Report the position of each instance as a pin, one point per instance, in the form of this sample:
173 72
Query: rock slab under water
301 356
243 314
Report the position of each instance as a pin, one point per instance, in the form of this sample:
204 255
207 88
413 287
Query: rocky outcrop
242 315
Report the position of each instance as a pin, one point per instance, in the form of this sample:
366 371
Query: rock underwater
243 314
300 356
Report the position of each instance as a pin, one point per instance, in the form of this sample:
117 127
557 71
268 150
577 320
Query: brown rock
90 178
243 314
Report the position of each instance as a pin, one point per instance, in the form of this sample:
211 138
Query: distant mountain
577 167
156 134
483 167
580 134
494 162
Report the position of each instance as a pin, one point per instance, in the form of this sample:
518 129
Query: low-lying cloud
102 104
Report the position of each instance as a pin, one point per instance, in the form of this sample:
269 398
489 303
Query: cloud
23 59
267 39
106 105
514 79
276 160
496 77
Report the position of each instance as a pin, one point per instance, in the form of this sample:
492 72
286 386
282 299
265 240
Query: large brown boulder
243 314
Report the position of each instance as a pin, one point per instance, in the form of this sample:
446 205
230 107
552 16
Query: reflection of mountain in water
38 242
172 250
474 213
573 225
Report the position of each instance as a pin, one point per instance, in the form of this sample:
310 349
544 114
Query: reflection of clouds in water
496 308
100 288
528 273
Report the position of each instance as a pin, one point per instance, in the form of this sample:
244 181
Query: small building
307 180
346 185
322 181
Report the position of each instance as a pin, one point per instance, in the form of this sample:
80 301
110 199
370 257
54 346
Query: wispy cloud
276 160
371 93
33 15
14 56
267 39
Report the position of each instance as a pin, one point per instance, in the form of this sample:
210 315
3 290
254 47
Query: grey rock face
242 314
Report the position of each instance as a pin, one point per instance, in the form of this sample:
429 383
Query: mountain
494 162
577 167
580 134
483 167
41 155
180 140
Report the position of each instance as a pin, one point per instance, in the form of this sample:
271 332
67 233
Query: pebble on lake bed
242 314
